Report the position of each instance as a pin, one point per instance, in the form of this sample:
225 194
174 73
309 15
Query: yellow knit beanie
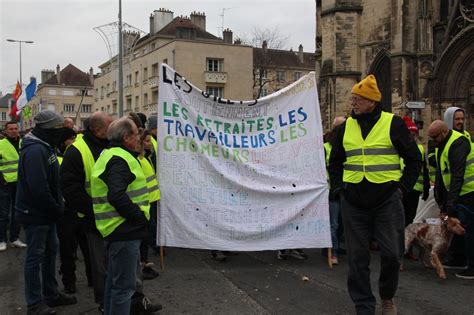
367 88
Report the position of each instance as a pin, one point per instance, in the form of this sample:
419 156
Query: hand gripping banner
241 175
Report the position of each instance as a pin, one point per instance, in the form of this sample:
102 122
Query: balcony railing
152 107
215 77
153 81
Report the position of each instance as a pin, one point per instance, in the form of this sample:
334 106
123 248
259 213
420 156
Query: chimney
227 34
264 46
91 76
161 18
152 24
199 19
46 75
300 53
58 75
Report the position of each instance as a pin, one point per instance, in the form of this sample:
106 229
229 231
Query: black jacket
457 155
73 177
38 197
118 176
365 193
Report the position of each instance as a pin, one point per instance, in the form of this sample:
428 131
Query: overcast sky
62 30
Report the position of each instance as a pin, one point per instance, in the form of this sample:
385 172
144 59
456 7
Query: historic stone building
215 65
421 52
67 91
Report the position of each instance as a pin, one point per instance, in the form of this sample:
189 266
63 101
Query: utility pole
120 62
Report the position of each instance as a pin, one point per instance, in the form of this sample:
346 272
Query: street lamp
20 41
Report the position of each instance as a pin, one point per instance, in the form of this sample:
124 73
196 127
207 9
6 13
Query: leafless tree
267 42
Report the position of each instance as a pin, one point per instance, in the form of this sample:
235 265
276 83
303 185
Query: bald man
69 123
454 186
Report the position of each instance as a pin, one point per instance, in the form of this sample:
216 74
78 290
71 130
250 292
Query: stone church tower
421 52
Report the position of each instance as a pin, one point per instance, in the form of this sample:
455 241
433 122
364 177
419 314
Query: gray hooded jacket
449 117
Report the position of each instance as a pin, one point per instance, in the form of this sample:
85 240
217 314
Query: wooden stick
329 257
162 256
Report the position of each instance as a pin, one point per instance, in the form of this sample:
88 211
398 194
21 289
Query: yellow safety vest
432 169
107 219
328 148
445 168
419 182
88 161
155 145
374 158
9 161
151 179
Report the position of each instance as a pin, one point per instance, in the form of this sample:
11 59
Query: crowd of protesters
97 191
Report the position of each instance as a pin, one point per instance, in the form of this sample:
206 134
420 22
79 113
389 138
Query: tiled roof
284 58
5 100
70 76
181 22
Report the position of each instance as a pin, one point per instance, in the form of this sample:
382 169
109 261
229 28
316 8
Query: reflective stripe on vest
374 158
468 183
8 161
107 219
88 161
151 179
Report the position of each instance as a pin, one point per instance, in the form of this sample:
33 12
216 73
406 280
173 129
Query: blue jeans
466 216
123 260
42 243
7 212
334 211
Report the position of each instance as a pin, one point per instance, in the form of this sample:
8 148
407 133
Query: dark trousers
410 204
98 261
70 235
40 263
7 212
466 216
123 259
385 224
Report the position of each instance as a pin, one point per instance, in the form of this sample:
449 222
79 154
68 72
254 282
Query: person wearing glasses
365 172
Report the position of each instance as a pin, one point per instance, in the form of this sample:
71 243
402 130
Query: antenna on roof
222 16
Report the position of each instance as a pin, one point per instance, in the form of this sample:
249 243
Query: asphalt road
255 283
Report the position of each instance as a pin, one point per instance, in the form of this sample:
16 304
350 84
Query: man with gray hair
39 205
122 210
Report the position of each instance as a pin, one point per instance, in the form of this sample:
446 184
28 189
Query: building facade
68 92
6 103
420 51
274 69
215 65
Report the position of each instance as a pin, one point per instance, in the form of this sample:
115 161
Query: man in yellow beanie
364 169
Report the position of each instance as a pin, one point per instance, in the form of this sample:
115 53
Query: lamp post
20 41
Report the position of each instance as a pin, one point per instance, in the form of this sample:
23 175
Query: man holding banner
364 169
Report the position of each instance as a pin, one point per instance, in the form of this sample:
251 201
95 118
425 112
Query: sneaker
143 305
62 299
298 254
149 273
334 260
388 307
18 244
467 274
218 255
454 264
282 255
40 309
101 308
3 246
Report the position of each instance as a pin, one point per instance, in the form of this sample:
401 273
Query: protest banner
241 175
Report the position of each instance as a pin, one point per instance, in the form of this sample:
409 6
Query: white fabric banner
241 175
